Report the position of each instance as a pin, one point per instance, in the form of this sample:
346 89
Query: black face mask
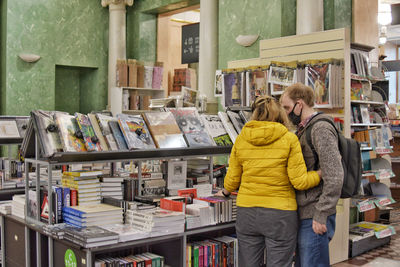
295 119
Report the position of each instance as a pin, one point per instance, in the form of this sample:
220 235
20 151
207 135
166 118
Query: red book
169 204
74 197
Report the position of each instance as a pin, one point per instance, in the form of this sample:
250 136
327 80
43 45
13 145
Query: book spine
59 204
73 211
66 197
74 197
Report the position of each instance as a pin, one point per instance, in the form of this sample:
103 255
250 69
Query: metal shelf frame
65 158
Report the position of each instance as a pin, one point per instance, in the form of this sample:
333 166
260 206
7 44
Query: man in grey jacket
316 206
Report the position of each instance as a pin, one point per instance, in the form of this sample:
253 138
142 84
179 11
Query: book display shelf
43 249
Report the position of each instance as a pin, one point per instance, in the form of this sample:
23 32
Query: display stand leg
184 237
139 177
27 248
51 251
3 251
49 193
89 258
38 249
211 170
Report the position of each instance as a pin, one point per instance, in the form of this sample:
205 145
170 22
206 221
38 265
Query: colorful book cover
47 130
236 120
256 85
74 197
68 129
233 86
192 127
164 130
103 121
59 198
216 130
89 137
97 131
318 78
136 133
119 137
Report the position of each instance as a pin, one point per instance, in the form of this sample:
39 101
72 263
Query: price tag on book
383 150
384 201
385 233
365 205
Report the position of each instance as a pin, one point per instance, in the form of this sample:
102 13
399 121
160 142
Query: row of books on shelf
146 259
240 87
133 73
367 115
173 128
217 251
374 138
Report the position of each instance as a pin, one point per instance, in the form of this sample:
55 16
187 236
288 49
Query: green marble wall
3 22
70 33
67 87
337 14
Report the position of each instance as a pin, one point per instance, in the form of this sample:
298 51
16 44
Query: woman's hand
319 173
222 193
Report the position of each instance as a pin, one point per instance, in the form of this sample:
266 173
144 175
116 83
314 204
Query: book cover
364 114
230 129
9 129
177 171
318 78
59 205
74 197
192 127
233 86
117 133
89 137
136 134
47 131
157 76
96 128
216 130
148 76
219 83
91 234
236 120
103 121
164 130
256 85
68 129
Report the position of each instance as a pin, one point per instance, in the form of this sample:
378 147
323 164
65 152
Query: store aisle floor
387 256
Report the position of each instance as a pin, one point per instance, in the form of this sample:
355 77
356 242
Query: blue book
59 198
66 197
74 212
69 216
73 223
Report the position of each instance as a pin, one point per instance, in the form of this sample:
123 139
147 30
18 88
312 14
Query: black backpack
351 160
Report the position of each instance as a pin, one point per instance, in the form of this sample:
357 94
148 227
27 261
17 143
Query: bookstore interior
115 135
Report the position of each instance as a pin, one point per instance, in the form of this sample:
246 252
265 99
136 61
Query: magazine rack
173 247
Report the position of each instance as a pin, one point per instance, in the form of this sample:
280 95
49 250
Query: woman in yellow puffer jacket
266 165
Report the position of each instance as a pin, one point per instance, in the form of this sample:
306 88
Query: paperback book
118 136
97 131
236 120
164 130
135 131
230 129
103 121
68 128
89 137
216 130
192 127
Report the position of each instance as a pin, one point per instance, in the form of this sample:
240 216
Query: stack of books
91 236
6 207
126 232
223 209
86 184
89 215
112 187
156 221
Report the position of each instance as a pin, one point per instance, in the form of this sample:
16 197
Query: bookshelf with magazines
51 242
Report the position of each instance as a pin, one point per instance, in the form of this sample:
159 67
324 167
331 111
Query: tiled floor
387 256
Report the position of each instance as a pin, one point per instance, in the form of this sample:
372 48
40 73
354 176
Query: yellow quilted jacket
266 163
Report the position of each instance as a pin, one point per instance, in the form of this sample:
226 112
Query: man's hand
319 228
219 193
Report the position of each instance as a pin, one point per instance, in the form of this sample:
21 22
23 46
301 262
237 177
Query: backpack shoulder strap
309 139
